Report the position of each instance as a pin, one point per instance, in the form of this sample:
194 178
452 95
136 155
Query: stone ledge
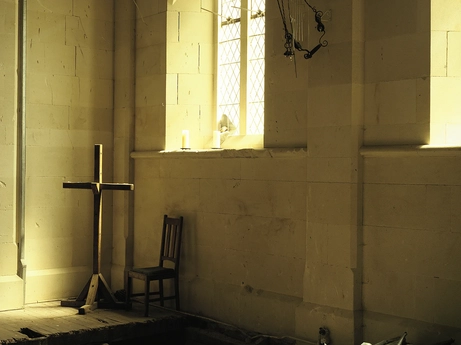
410 150
223 153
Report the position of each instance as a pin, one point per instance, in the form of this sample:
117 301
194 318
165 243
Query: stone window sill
223 153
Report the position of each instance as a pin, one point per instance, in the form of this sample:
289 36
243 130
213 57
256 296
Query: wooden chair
170 250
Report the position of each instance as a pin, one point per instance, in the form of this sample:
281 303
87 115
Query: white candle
185 139
216 139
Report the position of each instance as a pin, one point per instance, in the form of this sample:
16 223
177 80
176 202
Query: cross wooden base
96 292
95 288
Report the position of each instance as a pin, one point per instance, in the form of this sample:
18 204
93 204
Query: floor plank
53 321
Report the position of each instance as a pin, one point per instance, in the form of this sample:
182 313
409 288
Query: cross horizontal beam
102 186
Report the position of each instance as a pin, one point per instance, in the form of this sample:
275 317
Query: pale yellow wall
124 126
285 105
412 222
69 95
445 73
335 88
190 73
281 241
11 286
370 86
397 70
244 231
150 69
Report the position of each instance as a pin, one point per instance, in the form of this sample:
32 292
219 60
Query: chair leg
146 297
160 291
176 291
128 289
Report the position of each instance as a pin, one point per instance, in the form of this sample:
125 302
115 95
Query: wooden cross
86 300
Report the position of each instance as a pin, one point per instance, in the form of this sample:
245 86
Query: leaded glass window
241 64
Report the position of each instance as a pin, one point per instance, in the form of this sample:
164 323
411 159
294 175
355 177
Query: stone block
172 26
195 89
435 169
454 50
183 58
94 63
7 155
206 58
86 32
404 134
444 15
329 285
444 98
334 61
38 88
293 168
47 284
50 6
102 10
331 141
147 8
150 61
150 91
58 253
439 49
45 116
58 161
321 169
48 27
342 324
151 30
196 27
402 109
184 6
330 203
394 205
91 118
13 287
382 64
331 105
7 220
97 93
447 310
10 256
257 309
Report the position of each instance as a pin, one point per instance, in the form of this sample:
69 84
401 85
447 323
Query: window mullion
244 66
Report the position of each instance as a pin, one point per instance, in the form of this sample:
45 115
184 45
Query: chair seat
152 273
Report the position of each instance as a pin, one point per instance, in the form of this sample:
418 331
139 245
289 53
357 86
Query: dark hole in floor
30 333
198 332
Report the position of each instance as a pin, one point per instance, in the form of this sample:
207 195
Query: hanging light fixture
292 25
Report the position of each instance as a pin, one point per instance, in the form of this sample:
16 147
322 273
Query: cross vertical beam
96 291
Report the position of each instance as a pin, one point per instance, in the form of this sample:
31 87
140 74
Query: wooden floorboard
55 324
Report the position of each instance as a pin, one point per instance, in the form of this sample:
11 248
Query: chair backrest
170 249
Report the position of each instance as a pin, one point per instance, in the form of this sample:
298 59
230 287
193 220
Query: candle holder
185 140
216 140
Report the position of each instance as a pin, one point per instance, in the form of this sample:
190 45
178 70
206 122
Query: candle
216 139
185 139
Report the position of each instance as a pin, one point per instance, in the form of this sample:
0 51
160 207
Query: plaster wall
11 284
150 69
69 95
335 108
276 240
244 214
190 73
397 68
445 73
411 236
